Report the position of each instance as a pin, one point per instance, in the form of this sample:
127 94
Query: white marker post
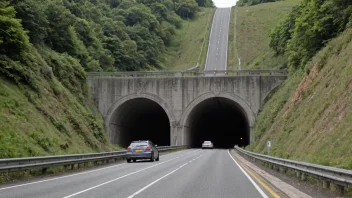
269 145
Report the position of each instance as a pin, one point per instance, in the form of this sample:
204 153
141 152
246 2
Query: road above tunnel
218 41
189 173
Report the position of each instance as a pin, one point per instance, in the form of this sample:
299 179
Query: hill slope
49 120
189 46
313 112
45 50
253 27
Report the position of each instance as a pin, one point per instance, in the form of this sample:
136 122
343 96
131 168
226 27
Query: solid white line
227 38
82 173
59 177
147 186
250 179
91 188
80 192
211 32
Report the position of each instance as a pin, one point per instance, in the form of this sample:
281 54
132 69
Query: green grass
51 123
251 41
190 43
310 120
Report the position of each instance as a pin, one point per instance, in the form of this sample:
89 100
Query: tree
186 8
32 13
13 38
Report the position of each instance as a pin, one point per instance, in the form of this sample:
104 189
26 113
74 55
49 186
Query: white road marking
211 32
250 179
91 188
227 38
147 186
60 177
56 178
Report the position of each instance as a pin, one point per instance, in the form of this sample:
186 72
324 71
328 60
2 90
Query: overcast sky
224 3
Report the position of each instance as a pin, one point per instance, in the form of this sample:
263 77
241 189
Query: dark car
142 150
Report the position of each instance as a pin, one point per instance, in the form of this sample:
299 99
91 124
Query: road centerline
154 182
126 175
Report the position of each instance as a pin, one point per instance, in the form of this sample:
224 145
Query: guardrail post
298 174
303 177
340 190
326 184
282 170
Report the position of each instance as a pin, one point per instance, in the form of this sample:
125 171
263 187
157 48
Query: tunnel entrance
219 120
139 119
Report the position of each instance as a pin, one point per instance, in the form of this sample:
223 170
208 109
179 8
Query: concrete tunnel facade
181 110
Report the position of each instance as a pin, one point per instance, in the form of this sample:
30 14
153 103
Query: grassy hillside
253 27
309 117
45 50
47 121
189 46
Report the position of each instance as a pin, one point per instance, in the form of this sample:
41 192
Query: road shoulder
281 188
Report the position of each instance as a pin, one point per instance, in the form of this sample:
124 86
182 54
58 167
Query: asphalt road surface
189 173
218 42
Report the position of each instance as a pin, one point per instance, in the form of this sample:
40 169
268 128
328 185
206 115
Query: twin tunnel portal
181 110
217 119
170 108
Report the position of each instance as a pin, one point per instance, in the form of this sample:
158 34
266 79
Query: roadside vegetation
253 2
308 118
190 44
46 48
250 39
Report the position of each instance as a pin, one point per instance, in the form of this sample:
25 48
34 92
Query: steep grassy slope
309 117
189 46
253 27
49 120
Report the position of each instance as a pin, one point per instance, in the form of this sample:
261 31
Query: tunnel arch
239 108
132 109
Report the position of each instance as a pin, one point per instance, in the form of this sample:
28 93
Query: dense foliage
98 35
308 27
252 2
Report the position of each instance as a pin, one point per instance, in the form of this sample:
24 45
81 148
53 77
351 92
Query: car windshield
207 142
138 144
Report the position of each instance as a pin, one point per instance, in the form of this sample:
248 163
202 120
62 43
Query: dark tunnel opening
219 120
140 119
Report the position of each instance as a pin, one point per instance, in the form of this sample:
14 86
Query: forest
308 28
65 38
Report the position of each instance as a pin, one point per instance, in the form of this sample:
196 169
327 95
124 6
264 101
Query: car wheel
157 159
152 158
128 161
134 160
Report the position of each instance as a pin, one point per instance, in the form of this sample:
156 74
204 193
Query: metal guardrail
339 176
190 73
19 164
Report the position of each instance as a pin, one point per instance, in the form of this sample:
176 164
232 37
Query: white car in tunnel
207 144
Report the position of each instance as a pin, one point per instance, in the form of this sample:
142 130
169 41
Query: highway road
189 173
218 41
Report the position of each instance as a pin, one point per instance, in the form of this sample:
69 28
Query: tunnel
219 120
139 119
